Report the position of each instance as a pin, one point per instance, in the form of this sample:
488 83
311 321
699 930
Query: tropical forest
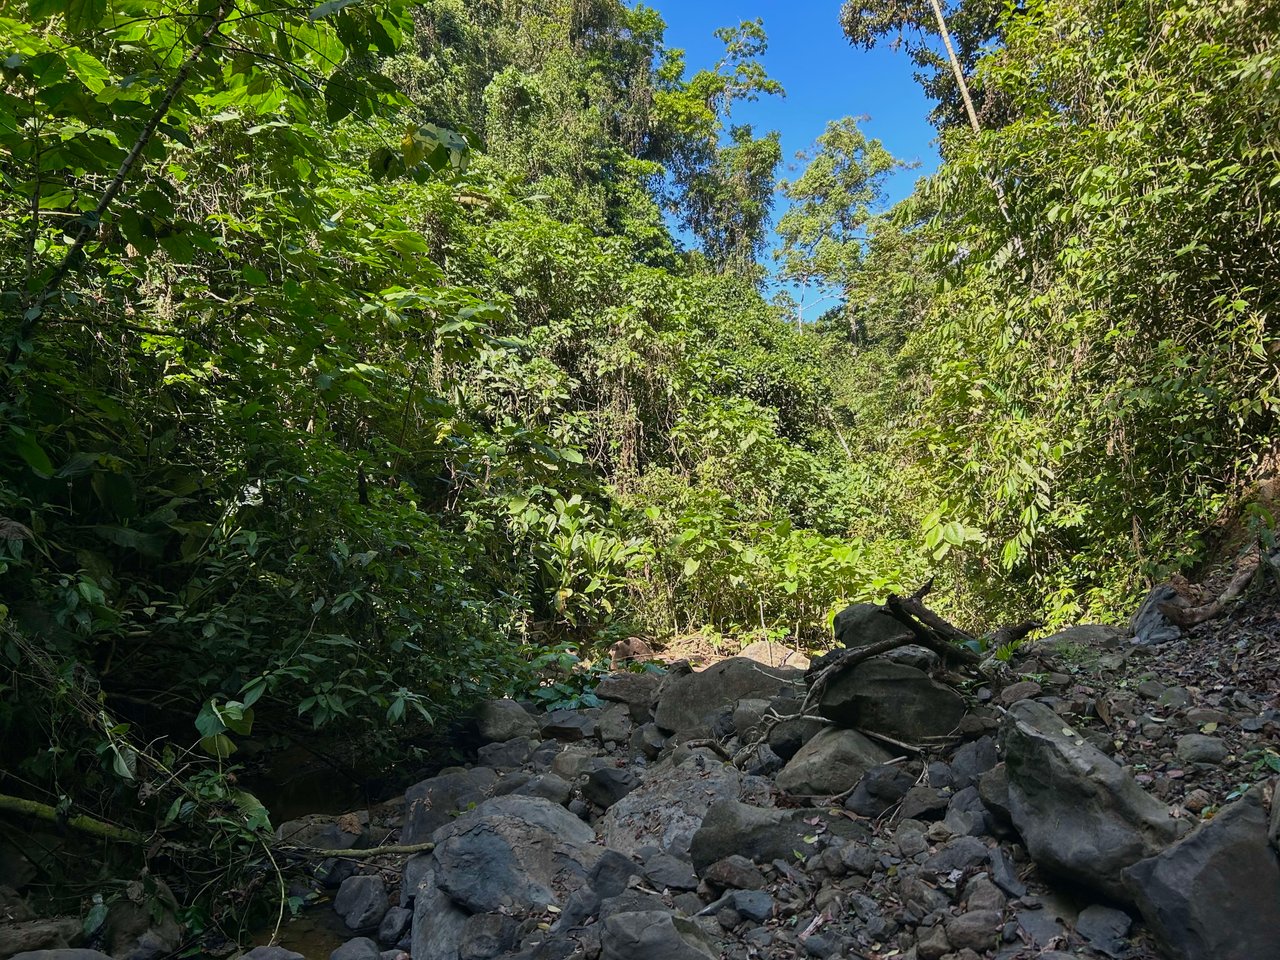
469 488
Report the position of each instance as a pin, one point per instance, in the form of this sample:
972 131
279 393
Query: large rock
688 702
1149 625
1216 894
362 901
1081 816
773 654
513 854
1086 636
32 936
636 690
503 720
653 934
892 699
862 624
758 833
832 762
667 809
431 804
438 923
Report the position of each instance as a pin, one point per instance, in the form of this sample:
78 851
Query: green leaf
88 68
331 7
84 15
26 446
219 746
340 98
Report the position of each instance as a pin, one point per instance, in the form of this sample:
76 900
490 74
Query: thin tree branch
90 223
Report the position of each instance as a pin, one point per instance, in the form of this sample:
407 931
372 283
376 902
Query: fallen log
81 822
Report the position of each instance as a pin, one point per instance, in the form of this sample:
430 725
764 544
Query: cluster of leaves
1087 363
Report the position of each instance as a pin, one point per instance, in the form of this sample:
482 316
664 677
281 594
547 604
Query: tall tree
832 200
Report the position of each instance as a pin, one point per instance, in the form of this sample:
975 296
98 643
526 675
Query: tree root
1247 568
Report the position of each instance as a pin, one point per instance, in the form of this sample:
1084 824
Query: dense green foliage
353 370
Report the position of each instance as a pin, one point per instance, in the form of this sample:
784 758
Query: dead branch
324 853
1247 568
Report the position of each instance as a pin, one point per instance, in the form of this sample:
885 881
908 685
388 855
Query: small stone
858 858
933 943
975 930
1151 688
608 785
361 948
981 893
924 803
911 841
736 872
394 924
753 905
665 871
1105 928
362 901
1174 698
1197 800
820 946
1022 690
1198 748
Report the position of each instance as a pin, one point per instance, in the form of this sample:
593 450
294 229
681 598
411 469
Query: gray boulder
759 833
879 789
486 935
636 690
506 755
832 762
687 703
1149 625
437 922
1086 636
431 804
892 699
503 720
608 785
1198 748
862 624
667 809
569 725
362 901
615 724
512 854
1081 816
650 934
47 935
773 654
1216 894
361 948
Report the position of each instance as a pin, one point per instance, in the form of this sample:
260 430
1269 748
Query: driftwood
325 853
81 822
1247 568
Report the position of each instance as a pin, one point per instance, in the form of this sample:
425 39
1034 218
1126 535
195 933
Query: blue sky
824 76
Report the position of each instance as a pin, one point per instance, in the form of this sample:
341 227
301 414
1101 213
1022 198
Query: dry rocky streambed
1098 796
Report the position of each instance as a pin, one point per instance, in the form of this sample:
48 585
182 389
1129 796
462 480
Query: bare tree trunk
963 84
955 64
